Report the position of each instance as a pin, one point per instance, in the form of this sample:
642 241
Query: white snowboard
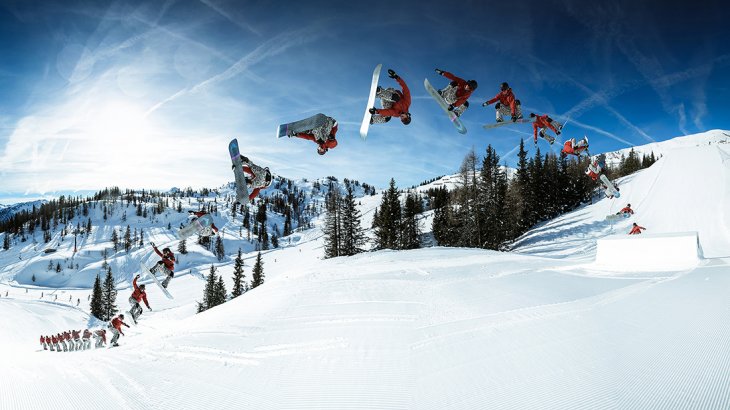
610 188
147 272
371 102
507 122
200 225
618 216
452 116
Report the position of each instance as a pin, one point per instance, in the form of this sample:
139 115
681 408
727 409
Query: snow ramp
673 251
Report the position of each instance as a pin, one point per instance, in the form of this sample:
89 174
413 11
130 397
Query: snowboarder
49 343
43 342
138 295
543 122
207 231
100 336
506 105
457 92
608 193
395 103
323 136
571 147
76 334
636 229
260 178
594 169
63 337
54 340
87 339
165 265
626 210
116 327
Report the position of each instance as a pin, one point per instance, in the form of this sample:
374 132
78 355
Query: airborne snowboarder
257 178
206 231
571 147
506 105
395 103
323 134
594 169
543 122
457 92
165 265
138 295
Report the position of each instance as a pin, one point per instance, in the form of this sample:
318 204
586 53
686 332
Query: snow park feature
663 251
541 326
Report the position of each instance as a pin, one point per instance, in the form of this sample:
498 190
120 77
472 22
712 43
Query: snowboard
507 122
304 125
610 188
199 225
241 187
371 102
618 216
147 272
453 117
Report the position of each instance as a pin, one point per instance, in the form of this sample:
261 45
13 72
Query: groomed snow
436 328
649 251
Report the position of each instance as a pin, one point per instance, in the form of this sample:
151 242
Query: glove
373 110
136 277
439 72
153 244
392 74
484 104
514 118
451 107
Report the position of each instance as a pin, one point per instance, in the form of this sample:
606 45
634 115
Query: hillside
434 328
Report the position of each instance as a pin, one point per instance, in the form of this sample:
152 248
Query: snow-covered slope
712 137
688 189
436 328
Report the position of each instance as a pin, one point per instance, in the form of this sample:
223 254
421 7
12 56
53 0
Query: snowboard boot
115 344
166 281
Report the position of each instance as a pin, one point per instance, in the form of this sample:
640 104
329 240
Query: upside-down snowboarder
457 92
507 104
323 135
207 230
571 147
258 178
395 103
594 169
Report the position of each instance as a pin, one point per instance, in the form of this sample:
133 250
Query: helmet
629 205
407 119
321 150
142 286
532 114
165 250
472 84
504 86
121 316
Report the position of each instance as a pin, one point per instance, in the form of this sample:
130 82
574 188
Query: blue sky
147 94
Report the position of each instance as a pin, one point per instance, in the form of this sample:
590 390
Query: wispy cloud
235 20
268 49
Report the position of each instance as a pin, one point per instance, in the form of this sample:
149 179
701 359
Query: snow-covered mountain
542 327
7 211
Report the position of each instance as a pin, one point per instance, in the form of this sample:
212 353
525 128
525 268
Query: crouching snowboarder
507 104
626 210
636 229
457 92
100 338
543 122
86 339
116 328
166 265
138 295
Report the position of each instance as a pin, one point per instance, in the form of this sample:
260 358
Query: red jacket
102 334
48 340
505 97
401 106
76 334
43 340
329 143
541 121
636 230
461 93
87 334
626 210
139 295
568 148
169 260
66 336
54 339
117 324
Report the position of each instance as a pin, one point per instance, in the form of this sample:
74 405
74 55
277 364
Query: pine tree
109 296
141 237
410 231
221 296
220 252
258 272
128 239
182 247
239 278
351 233
387 225
6 241
287 221
332 239
115 239
96 305
209 291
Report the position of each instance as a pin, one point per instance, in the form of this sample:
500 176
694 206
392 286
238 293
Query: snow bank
668 251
